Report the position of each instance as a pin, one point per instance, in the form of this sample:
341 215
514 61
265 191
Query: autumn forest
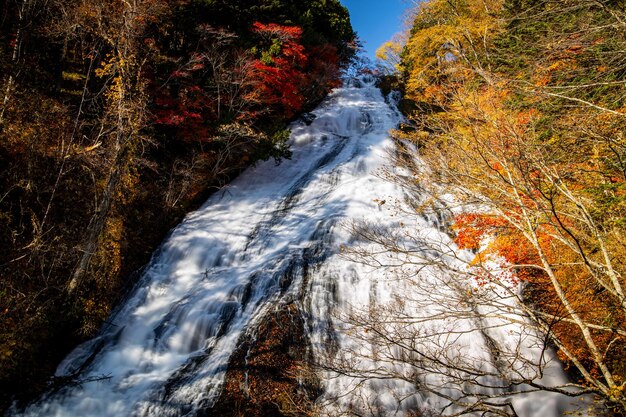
118 118
519 108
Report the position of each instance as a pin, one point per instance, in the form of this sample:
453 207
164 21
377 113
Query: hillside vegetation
519 110
116 119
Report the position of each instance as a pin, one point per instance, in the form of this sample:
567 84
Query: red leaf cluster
282 80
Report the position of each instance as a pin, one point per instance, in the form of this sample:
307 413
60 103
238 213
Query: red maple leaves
280 69
272 81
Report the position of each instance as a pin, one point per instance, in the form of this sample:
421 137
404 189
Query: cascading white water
166 350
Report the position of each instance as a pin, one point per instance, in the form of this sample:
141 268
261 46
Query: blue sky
376 21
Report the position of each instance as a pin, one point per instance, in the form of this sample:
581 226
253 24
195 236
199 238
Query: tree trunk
98 220
13 73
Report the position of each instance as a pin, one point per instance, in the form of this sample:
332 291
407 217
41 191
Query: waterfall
166 350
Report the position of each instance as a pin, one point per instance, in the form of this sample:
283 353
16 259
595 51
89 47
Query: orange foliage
506 242
472 228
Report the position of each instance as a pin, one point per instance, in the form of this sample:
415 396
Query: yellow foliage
388 55
388 51
107 68
445 33
73 76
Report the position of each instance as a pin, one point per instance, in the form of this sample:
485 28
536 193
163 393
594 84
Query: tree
388 56
125 112
214 86
280 68
542 227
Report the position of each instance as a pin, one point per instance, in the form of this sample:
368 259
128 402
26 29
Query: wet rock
308 118
268 374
